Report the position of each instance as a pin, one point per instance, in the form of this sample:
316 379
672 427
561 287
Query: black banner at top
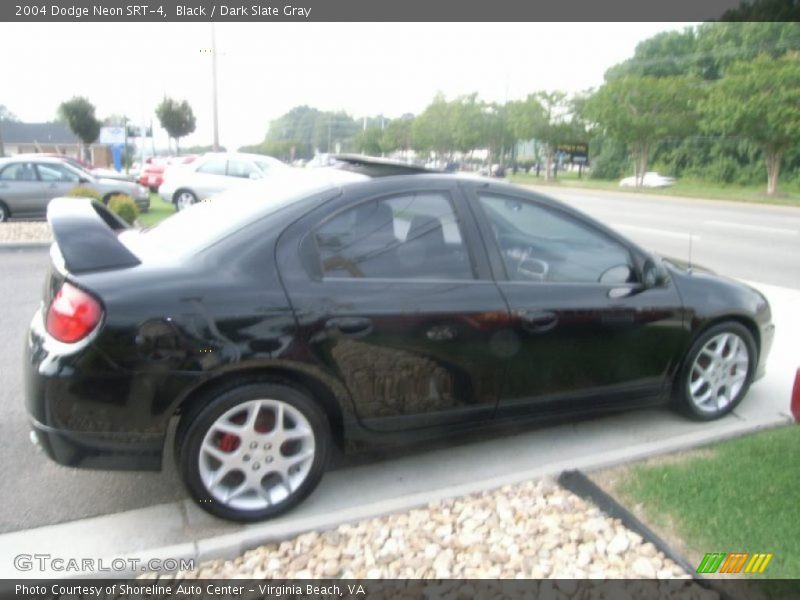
388 10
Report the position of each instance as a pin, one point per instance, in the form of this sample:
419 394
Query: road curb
22 246
192 534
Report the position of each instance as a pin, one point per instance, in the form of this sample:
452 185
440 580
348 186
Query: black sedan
354 306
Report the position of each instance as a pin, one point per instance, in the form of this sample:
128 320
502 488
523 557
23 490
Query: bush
84 192
125 207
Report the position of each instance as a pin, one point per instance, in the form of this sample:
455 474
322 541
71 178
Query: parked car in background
99 172
184 185
331 308
28 184
151 172
651 179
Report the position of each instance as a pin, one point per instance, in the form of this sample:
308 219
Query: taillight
795 405
73 314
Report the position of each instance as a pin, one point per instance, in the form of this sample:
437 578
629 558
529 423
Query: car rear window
211 220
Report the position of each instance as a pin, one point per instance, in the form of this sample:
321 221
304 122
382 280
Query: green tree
177 118
432 130
666 54
758 100
370 141
397 134
548 117
639 111
78 113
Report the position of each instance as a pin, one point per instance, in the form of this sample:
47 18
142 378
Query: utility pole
214 86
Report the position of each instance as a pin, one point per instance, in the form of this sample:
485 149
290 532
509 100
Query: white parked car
651 179
212 173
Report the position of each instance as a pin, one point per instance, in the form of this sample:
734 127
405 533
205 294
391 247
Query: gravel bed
14 232
534 530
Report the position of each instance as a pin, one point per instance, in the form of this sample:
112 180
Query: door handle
538 321
350 325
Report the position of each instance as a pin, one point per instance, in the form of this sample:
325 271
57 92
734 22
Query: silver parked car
212 173
27 185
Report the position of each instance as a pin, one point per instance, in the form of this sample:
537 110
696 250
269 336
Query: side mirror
653 275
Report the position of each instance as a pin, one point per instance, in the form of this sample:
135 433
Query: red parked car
151 174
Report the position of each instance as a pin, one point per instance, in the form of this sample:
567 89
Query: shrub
81 191
125 207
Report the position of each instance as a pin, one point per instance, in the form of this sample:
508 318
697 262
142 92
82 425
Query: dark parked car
295 315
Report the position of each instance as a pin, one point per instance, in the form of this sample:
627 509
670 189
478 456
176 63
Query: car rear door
588 332
394 297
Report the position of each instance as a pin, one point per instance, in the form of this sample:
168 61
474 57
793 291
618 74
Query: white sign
112 135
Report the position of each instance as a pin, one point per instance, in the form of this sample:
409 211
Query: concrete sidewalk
181 530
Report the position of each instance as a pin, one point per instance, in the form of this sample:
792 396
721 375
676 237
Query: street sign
112 135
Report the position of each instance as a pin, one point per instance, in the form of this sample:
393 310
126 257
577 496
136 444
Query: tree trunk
773 171
641 158
548 162
177 148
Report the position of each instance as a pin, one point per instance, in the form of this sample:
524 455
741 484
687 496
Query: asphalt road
749 242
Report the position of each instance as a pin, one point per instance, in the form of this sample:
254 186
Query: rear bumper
85 411
92 450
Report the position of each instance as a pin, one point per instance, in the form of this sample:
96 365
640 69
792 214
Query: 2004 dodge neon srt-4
354 305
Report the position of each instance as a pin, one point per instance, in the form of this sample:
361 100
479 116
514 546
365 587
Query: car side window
214 166
58 173
240 168
540 244
23 171
411 236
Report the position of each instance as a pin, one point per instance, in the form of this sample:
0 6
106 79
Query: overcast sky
264 69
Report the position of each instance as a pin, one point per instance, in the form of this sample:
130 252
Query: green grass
789 195
159 210
741 495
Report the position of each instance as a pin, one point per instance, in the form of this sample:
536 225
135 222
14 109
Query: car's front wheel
184 199
717 371
254 451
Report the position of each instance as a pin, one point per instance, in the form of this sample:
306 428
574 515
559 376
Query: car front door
57 179
21 190
589 332
394 298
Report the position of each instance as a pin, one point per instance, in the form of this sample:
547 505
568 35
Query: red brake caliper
228 442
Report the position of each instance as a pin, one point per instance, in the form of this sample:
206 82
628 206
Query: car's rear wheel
254 451
4 213
717 371
184 199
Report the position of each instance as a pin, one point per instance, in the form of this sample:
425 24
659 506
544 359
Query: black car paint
251 305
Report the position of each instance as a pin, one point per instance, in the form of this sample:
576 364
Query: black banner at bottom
400 589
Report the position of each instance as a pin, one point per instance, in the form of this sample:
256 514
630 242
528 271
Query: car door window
214 166
413 236
18 172
243 169
57 173
542 244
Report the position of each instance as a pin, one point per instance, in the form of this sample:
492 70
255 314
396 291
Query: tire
5 214
153 189
717 372
184 199
233 462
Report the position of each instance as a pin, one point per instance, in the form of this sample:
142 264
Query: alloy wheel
719 372
256 454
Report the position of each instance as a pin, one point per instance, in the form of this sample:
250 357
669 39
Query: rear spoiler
86 232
